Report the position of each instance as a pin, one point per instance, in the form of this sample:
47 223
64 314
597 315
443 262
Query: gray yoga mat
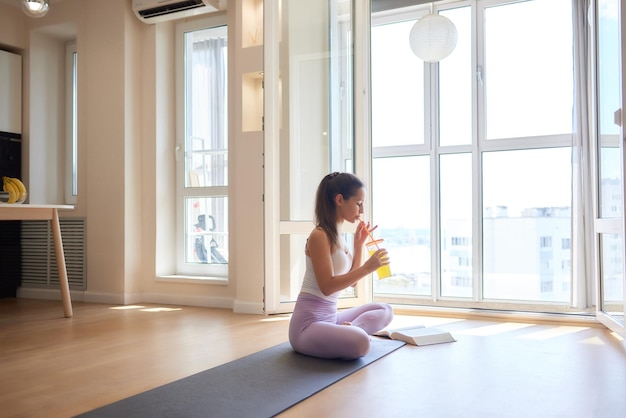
260 385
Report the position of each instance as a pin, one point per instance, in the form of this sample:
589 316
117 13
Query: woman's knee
385 314
359 347
388 315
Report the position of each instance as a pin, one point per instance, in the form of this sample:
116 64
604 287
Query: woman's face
350 209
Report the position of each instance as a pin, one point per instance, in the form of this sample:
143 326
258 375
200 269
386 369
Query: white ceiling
62 31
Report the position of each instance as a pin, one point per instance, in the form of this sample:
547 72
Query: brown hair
333 184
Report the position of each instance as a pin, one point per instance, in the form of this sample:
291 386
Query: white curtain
208 125
209 92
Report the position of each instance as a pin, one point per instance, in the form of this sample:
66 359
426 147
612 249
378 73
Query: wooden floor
53 366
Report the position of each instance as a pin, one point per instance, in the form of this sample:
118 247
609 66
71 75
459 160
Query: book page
388 331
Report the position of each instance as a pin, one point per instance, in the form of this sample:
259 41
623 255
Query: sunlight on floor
593 341
161 309
553 332
144 309
126 308
494 329
599 341
276 319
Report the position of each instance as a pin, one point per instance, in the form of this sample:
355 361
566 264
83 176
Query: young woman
317 328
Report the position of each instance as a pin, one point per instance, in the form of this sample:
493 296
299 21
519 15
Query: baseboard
188 300
499 315
47 294
253 308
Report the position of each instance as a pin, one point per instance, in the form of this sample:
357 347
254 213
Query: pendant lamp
433 37
35 8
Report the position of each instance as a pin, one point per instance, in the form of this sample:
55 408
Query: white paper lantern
433 37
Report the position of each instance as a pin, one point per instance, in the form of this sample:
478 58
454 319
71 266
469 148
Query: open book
417 335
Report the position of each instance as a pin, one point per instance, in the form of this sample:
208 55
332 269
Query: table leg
60 255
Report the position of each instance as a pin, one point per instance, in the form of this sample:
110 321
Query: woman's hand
363 232
378 259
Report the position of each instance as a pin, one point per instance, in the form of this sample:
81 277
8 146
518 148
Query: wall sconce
433 37
35 8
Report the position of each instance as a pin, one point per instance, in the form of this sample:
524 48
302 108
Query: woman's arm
319 250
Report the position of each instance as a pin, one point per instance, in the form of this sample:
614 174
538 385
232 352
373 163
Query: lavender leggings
316 327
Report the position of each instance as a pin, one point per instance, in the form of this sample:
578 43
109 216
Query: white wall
126 129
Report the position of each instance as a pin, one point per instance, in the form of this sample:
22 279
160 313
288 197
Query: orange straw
374 241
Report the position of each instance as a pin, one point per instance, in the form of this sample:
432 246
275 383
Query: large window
472 172
202 159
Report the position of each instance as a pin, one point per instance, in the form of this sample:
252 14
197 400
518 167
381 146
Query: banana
15 188
11 190
20 187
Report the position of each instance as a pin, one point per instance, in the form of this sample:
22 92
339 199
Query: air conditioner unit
153 11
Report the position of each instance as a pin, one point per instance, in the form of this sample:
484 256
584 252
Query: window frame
478 146
185 270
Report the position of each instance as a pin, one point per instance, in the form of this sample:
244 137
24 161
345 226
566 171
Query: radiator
39 265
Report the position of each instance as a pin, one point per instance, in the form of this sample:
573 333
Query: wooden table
28 212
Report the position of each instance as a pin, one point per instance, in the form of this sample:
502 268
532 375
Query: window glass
401 209
612 271
206 103
397 100
609 101
455 208
455 83
206 220
527 213
528 75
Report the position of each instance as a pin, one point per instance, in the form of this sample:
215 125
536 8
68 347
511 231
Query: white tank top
342 262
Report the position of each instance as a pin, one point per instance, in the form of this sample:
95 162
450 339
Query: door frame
616 226
274 227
